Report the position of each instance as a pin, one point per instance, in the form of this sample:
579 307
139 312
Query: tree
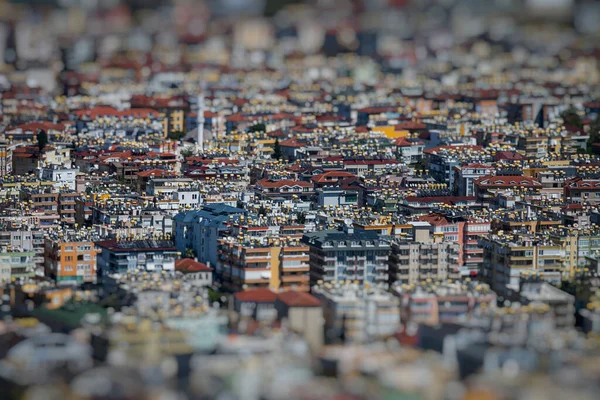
189 253
571 117
301 218
260 127
594 134
176 135
277 150
42 139
187 152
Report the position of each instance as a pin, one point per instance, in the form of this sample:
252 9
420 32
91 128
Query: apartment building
580 190
267 262
560 302
433 302
70 259
507 258
348 254
411 262
6 153
464 175
577 244
199 230
120 256
357 313
16 263
27 240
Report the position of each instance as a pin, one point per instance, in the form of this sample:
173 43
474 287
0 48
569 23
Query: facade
16 264
579 190
465 175
334 196
284 188
196 272
487 186
435 302
134 255
27 240
347 254
70 261
409 150
303 314
62 177
269 263
6 154
442 160
509 258
561 303
199 230
357 313
424 258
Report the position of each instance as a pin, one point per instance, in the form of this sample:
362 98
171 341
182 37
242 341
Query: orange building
70 261
275 264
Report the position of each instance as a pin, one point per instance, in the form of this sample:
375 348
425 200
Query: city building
436 302
507 258
70 259
347 254
423 258
357 313
121 256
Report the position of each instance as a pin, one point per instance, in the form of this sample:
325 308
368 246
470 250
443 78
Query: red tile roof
410 126
325 177
260 295
508 155
505 181
156 172
103 111
298 299
266 183
292 142
434 219
190 265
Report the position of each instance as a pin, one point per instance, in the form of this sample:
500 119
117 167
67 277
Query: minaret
200 120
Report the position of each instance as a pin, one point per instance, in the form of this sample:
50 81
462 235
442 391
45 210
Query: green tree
277 150
260 127
594 134
301 218
187 152
42 139
176 135
571 117
189 253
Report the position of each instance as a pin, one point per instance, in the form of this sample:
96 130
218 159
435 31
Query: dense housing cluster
350 199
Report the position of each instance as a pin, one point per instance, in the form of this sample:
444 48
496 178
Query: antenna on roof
200 118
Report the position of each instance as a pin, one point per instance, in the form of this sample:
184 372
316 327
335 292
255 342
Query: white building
61 176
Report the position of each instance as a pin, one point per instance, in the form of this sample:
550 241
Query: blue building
199 229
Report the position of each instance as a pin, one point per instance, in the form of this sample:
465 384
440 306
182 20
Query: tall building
70 259
6 152
199 230
509 257
268 262
357 313
411 262
347 254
